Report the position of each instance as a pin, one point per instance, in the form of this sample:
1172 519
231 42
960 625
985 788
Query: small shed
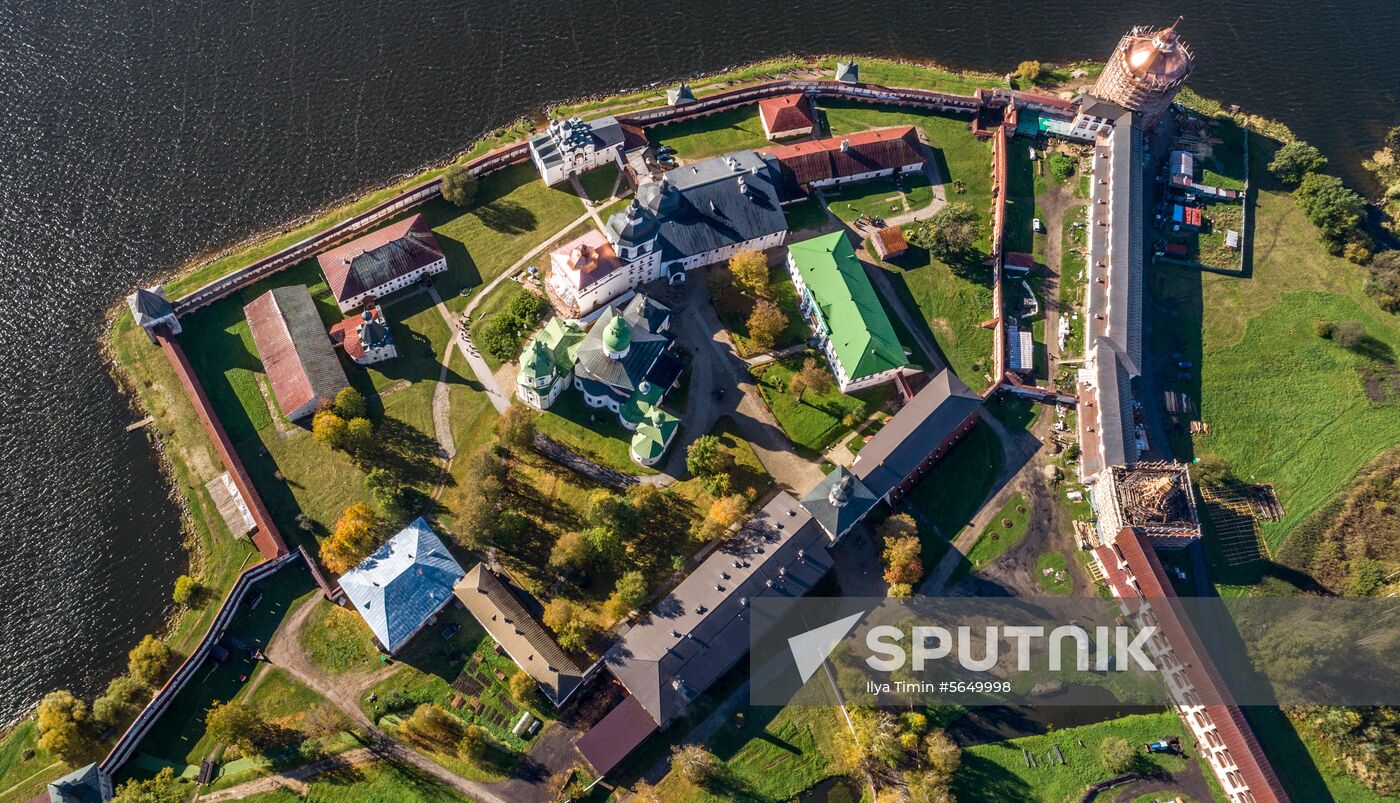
889 242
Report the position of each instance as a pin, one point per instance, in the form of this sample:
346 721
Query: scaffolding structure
1155 497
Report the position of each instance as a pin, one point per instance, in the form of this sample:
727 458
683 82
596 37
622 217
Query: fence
131 739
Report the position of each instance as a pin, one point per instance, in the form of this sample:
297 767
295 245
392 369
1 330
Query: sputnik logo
811 648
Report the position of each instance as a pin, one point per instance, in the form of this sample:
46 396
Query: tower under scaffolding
1155 497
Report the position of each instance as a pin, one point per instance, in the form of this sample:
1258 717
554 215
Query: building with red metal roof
878 153
382 262
786 116
295 350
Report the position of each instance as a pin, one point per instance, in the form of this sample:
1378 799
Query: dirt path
1055 206
293 779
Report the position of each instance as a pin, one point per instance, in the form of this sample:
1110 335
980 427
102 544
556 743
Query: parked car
1036 227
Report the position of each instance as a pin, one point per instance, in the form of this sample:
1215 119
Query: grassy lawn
1304 766
1006 529
487 309
598 183
769 754
1049 583
953 302
957 154
955 488
747 475
702 137
337 640
805 216
1285 406
1072 278
27 777
383 781
920 76
1024 183
734 306
878 198
818 420
179 736
593 433
998 771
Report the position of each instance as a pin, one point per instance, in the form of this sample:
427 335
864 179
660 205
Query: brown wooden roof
785 113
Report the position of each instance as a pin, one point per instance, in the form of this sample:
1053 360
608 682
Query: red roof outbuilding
803 163
786 116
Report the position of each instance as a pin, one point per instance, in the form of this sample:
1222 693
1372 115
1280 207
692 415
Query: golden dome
1159 56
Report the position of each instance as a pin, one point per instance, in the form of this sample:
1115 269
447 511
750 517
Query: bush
523 689
503 335
1295 160
471 748
1324 329
433 728
1029 70
1330 205
349 403
148 661
1348 334
693 763
1117 756
1061 167
186 590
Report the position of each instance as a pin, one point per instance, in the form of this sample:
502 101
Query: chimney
845 145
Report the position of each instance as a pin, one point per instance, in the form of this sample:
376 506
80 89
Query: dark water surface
135 135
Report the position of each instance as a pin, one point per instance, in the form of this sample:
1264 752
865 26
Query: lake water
136 135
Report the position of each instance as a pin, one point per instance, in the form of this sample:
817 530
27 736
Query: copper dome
1159 56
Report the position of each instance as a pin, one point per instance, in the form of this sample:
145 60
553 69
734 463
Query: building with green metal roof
547 363
837 297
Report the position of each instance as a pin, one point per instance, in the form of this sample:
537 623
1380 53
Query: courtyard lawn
381 781
998 771
769 754
819 419
953 302
337 640
920 76
593 433
954 490
1285 406
878 198
734 306
1004 531
486 311
598 183
1072 279
1055 562
957 154
719 133
808 215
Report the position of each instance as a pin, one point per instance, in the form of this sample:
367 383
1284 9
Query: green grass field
382 781
998 771
598 183
955 488
337 640
593 433
878 198
1055 562
819 419
1006 529
953 304
719 133
1285 406
806 216
920 76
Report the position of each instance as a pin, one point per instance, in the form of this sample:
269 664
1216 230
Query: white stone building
573 146
382 262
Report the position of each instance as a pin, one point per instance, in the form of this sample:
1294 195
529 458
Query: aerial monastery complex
621 341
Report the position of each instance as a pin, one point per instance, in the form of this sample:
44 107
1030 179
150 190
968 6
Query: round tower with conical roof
1145 71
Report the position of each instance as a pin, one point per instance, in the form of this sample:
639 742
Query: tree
1061 167
876 738
471 748
148 660
386 490
631 589
750 269
570 552
1295 160
902 563
604 545
572 626
432 727
692 763
164 787
349 404
950 232
356 534
516 426
124 695
927 787
359 437
722 515
1029 70
941 753
1117 756
329 428
483 487
61 722
459 185
1392 141
237 723
811 376
706 455
1330 206
897 526
523 688
322 720
766 322
607 509
186 589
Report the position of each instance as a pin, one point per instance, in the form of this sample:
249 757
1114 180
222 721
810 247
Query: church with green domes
623 363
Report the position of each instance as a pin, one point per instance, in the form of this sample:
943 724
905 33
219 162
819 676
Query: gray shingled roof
83 785
1117 433
836 518
919 428
701 628
627 373
148 306
524 639
605 132
707 205
1127 246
